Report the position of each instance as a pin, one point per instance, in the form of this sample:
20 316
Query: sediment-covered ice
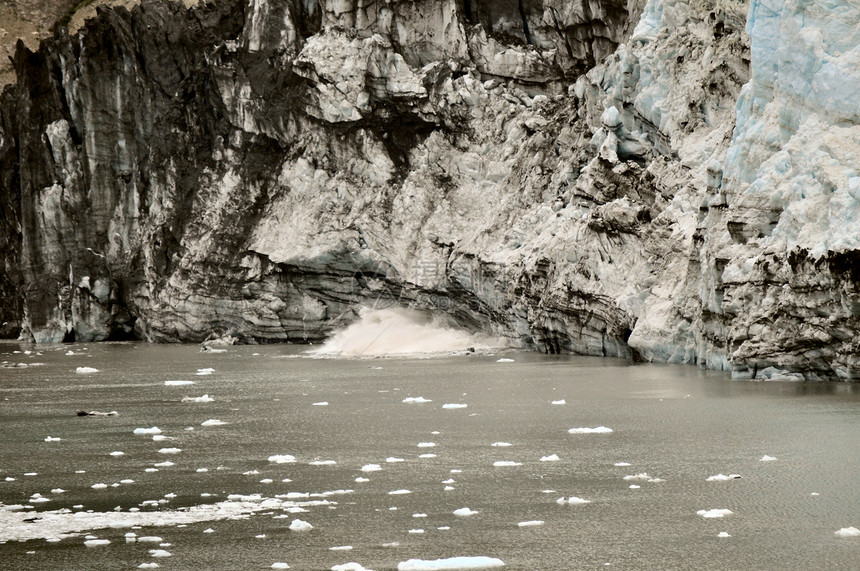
451 563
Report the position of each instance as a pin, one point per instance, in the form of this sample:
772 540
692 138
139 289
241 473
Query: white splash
401 331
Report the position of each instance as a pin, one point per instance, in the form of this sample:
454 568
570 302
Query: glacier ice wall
665 179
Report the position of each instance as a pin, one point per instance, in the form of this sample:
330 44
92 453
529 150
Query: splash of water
401 331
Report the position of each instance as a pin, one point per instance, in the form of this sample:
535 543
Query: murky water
677 424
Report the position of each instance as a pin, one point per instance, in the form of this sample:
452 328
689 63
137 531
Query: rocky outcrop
567 174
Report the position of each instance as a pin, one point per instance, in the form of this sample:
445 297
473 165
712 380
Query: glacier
667 180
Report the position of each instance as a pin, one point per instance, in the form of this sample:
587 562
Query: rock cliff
668 179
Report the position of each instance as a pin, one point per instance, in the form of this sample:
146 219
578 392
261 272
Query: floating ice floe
117 453
644 477
561 401
426 444
361 480
341 548
149 539
322 463
532 523
454 405
371 468
99 486
170 451
714 513
351 566
204 398
595 430
148 566
464 512
58 491
550 458
52 439
622 464
96 542
767 458
571 501
159 553
399 492
86 371
265 480
416 531
212 422
459 563
427 456
280 565
504 360
160 438
322 403
204 372
722 477
501 444
723 534
153 430
848 532
300 525
394 460
165 464
177 383
506 463
282 458
416 400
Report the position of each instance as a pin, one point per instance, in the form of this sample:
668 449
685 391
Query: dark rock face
263 168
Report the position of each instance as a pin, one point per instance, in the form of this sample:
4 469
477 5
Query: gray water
675 423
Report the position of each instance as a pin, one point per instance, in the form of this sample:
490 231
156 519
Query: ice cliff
672 180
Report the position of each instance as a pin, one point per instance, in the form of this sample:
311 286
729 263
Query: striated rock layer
668 179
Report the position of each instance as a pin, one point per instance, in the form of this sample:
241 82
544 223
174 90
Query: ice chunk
416 400
506 463
571 501
426 444
165 464
622 464
300 525
714 513
99 486
153 430
204 398
160 438
170 451
322 463
562 401
86 371
550 458
722 477
341 548
848 532
150 539
532 523
96 542
117 453
57 491
148 566
371 468
394 460
399 492
427 456
416 531
458 563
464 512
595 430
361 480
282 459
212 422
159 553
177 383
52 439
501 444
351 566
767 458
723 534
204 372
504 360
280 565
322 403
454 405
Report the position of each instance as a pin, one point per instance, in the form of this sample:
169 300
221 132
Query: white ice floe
177 383
427 456
504 360
322 463
282 459
52 439
848 532
454 405
394 460
419 515
426 444
448 488
212 422
371 468
723 534
562 401
148 566
571 501
204 372
532 523
714 513
459 563
153 430
622 464
416 531
595 430
399 492
165 464
159 553
550 458
634 486
280 565
722 477
321 403
464 512
117 453
149 539
170 451
351 566
300 525
501 444
86 370
644 477
99 486
204 398
767 458
416 400
266 481
361 480
341 548
58 491
506 463
96 542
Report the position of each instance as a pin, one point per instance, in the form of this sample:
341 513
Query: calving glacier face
563 174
